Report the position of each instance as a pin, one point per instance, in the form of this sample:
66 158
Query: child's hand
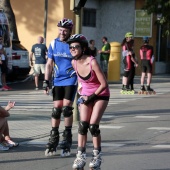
10 105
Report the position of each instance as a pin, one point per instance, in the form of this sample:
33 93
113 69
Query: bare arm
48 68
4 112
31 57
100 76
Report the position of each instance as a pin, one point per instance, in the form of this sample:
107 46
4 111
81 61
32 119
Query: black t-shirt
93 52
39 51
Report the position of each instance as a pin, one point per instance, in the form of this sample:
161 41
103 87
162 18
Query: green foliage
161 8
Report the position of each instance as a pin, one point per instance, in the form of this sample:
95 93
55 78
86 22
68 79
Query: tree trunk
6 6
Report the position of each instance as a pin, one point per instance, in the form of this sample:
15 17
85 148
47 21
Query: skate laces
80 157
96 159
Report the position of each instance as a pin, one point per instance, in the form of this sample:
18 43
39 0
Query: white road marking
110 127
108 144
159 128
147 117
161 146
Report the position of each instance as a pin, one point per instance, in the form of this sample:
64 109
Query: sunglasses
74 47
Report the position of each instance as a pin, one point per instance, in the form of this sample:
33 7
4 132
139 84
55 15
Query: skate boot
125 89
51 146
65 145
95 161
150 90
142 90
80 161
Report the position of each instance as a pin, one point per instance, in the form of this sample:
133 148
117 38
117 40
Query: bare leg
36 80
142 78
149 78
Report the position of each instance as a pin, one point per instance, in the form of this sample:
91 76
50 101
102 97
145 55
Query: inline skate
149 90
142 90
80 161
95 161
51 147
65 145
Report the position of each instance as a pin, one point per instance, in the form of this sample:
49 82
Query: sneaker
3 148
11 143
5 88
36 88
9 88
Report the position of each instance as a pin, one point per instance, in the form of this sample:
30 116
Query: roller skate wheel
64 153
48 153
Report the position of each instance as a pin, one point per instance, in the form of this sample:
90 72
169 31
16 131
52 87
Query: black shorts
146 66
4 68
126 73
64 92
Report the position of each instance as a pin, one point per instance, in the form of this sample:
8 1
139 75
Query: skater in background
92 48
147 58
5 139
39 50
129 62
64 88
104 56
94 97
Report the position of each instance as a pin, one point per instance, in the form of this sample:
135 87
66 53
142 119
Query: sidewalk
38 125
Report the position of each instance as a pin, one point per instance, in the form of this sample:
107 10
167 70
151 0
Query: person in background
94 97
64 88
147 58
5 139
39 50
104 56
92 48
3 66
129 62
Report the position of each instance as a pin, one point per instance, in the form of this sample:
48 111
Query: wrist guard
90 98
45 84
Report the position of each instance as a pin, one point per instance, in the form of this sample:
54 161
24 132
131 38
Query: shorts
126 73
64 92
38 68
146 66
104 65
4 68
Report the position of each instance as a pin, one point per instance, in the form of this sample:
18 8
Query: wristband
45 84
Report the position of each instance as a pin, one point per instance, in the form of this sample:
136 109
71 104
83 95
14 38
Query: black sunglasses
74 47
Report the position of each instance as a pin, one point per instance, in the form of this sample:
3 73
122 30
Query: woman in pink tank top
94 98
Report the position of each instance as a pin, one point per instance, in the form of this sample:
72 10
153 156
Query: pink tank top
90 85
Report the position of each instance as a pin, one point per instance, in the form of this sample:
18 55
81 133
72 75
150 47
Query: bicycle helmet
65 23
146 39
128 35
78 38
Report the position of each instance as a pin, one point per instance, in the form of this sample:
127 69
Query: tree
6 6
162 9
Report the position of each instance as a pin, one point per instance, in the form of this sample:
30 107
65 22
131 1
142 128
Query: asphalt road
135 130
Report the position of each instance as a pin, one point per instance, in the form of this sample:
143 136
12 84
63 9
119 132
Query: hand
46 86
10 105
90 98
99 51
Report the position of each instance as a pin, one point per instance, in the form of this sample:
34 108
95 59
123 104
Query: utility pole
45 19
76 6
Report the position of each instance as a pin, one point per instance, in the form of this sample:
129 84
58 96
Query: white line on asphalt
147 117
111 127
107 116
108 144
159 128
161 146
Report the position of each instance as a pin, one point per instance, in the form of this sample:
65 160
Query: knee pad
94 129
67 111
56 113
83 128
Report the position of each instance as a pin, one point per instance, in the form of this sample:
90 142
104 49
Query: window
89 17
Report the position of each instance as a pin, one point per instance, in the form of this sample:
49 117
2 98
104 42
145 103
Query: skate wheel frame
47 153
64 153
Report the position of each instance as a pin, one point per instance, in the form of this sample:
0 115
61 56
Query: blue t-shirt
64 74
39 51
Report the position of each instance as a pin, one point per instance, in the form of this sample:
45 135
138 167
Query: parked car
20 61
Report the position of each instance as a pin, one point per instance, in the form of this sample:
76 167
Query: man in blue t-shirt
39 50
64 88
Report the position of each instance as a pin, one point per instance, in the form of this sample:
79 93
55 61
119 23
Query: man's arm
31 58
